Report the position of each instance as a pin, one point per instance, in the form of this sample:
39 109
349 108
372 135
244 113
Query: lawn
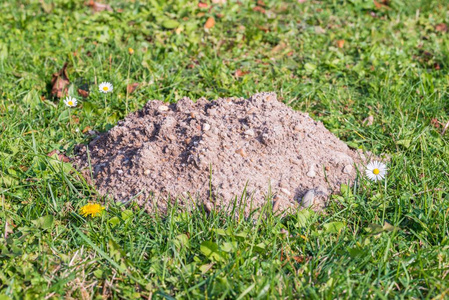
374 72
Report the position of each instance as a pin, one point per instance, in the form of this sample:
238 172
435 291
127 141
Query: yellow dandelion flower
130 51
91 209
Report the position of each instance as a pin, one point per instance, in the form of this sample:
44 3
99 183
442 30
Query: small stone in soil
307 200
242 152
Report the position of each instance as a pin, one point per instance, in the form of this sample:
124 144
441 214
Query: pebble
347 169
286 192
251 110
120 172
163 108
242 152
206 127
307 200
249 132
311 172
147 172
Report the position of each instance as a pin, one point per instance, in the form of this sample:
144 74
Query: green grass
387 240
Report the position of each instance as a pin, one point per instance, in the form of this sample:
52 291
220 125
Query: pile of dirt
210 152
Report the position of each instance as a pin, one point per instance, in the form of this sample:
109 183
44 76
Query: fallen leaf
279 47
442 27
86 129
47 7
319 30
340 43
132 87
83 93
75 120
8 229
219 1
435 123
59 83
368 121
240 73
381 4
97 7
298 259
209 23
261 3
202 5
59 156
259 9
445 128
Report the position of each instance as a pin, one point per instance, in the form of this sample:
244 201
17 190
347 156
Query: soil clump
217 154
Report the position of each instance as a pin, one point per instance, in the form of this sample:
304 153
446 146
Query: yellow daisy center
70 103
376 171
105 88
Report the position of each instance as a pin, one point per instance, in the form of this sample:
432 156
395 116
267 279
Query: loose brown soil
210 152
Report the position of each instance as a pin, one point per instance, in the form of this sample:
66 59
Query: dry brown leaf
381 4
298 259
259 9
445 128
264 29
219 1
442 27
435 123
47 7
368 121
279 47
240 73
75 120
340 43
319 30
83 93
8 229
60 82
261 3
209 23
97 7
86 129
132 87
203 5
60 156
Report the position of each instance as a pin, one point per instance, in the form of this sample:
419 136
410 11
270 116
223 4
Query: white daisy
106 87
376 170
70 101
